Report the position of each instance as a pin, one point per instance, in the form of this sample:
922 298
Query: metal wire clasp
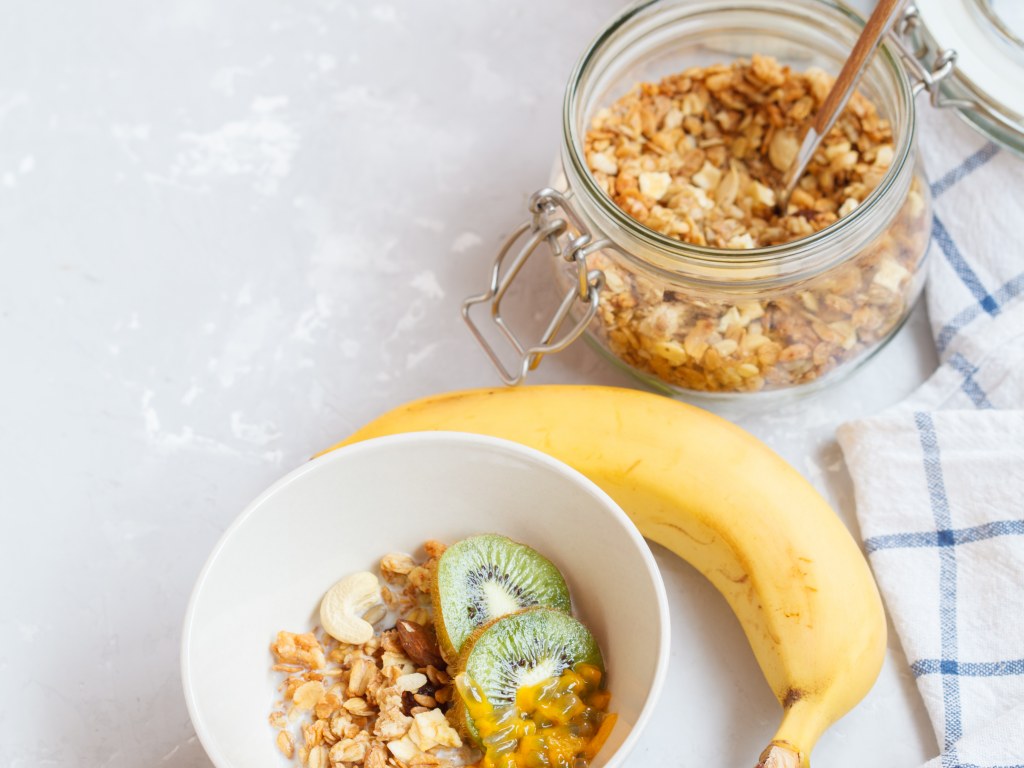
554 223
926 77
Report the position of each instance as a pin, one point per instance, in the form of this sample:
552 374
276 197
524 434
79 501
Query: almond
420 644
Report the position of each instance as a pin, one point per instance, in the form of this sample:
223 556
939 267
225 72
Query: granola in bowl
357 693
376 703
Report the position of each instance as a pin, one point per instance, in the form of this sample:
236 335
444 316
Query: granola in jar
696 157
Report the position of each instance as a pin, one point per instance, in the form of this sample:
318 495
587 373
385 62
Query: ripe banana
724 502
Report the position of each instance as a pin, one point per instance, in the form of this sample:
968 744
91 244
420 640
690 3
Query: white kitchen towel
939 478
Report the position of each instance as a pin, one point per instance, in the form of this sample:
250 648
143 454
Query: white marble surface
232 232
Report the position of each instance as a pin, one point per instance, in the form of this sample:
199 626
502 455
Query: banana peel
724 502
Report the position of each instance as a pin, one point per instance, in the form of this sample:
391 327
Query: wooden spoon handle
877 24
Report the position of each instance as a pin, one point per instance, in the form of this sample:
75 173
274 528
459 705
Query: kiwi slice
520 650
483 577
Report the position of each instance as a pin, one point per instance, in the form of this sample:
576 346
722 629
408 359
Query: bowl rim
204 735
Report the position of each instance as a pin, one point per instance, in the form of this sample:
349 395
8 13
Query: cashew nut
345 603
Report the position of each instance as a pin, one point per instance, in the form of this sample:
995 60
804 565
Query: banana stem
803 722
780 756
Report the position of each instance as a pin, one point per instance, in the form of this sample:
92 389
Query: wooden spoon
878 23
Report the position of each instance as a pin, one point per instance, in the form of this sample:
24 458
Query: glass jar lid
985 81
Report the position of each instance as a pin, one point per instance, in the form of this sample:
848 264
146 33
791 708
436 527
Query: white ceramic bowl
339 513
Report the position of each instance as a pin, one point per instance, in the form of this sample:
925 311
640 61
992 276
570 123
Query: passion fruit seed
522 651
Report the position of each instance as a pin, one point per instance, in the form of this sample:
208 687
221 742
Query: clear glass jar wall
698 319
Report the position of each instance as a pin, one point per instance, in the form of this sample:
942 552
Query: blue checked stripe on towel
939 478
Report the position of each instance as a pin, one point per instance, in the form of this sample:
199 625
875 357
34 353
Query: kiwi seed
483 577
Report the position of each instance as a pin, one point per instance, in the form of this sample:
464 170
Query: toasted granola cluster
697 157
379 704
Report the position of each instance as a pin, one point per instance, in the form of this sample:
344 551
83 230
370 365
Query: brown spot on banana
793 695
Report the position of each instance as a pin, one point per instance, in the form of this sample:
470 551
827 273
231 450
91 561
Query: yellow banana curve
725 503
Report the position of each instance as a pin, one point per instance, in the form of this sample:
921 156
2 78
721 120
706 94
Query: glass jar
689 318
